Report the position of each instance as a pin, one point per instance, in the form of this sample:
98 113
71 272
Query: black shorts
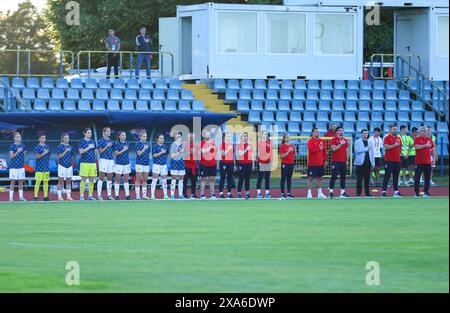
378 162
316 171
412 160
405 162
208 171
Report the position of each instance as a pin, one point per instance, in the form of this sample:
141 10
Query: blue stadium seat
141 105
339 94
282 117
43 94
349 127
377 95
2 93
156 105
293 128
442 137
258 95
404 95
363 117
113 105
40 105
243 106
390 117
299 95
403 117
309 116
310 105
442 127
418 106
267 126
120 84
430 116
312 95
285 94
260 84
76 83
54 105
173 95
233 84
349 116
340 85
273 84
378 85
87 94
47 82
72 94
307 127
427 85
298 105
158 94
33 83
145 84
247 84
28 94
352 95
377 105
116 94
272 94
254 117
295 116
350 105
186 94
102 94
416 116
284 105
5 81
84 105
338 105
426 95
231 96
300 84
170 106
391 84
313 85
374 125
104 84
184 106
353 85
432 125
127 105
391 105
391 95
322 127
325 95
336 116
198 105
287 84
365 95
326 85
322 116
175 84
58 94
403 105
385 128
18 82
256 105
324 105
281 127
161 84
365 85
271 105
90 83
245 94
219 85
62 83
376 117
98 105
16 92
364 105
360 126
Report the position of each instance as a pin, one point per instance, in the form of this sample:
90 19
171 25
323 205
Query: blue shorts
412 159
316 171
208 171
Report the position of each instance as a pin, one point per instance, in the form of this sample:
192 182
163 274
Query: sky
12 5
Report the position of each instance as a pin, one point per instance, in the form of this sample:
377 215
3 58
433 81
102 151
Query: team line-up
114 160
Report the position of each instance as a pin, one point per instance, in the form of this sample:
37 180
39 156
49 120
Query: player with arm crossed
88 166
42 151
159 151
177 168
122 166
142 166
105 163
65 168
245 165
17 153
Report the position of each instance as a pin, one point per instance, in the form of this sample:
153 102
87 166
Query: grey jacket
360 152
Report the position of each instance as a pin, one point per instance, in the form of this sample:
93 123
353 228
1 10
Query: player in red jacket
424 146
317 160
392 162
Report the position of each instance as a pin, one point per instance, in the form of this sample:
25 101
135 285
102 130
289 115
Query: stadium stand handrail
379 58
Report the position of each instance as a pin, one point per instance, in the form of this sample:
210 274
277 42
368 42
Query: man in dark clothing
112 44
144 45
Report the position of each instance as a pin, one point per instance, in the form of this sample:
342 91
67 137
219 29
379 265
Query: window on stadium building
442 35
236 32
286 33
334 34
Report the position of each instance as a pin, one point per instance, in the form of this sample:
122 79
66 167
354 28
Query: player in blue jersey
159 153
17 153
105 163
42 151
65 168
142 166
122 166
177 169
88 165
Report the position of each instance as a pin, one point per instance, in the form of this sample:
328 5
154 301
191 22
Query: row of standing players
114 159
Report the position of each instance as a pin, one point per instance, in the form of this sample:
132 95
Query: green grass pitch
226 246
